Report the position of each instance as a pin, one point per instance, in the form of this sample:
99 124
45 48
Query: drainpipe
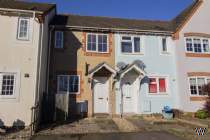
37 92
121 104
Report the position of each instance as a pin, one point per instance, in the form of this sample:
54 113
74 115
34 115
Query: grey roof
22 5
110 23
120 23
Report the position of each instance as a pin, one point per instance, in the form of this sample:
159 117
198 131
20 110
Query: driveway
112 136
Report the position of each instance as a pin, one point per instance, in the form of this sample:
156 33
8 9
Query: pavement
131 128
112 136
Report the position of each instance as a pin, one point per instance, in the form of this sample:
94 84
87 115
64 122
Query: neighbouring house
23 64
192 55
82 66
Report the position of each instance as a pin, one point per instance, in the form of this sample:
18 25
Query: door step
102 115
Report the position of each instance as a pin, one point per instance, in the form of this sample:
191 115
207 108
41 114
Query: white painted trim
117 29
18 10
168 52
133 67
196 77
28 29
62 92
97 34
107 67
15 96
160 94
201 40
142 48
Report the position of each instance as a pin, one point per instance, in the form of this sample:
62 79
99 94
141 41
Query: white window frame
62 39
196 77
167 52
96 51
158 86
132 42
67 92
201 40
18 32
14 85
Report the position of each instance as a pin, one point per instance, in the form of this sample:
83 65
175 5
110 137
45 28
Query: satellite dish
121 65
140 64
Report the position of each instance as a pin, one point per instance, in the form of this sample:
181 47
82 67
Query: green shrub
201 114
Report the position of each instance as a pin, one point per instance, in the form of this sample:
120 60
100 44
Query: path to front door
101 95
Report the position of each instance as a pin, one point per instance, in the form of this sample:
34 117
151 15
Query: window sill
165 53
157 94
198 55
198 98
7 97
132 53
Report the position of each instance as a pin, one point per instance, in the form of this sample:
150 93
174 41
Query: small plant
206 89
201 114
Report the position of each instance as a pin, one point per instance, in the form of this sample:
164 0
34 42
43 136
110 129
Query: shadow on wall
17 125
63 62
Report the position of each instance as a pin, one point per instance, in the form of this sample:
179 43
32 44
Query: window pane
91 42
162 85
152 85
206 45
164 45
63 83
102 43
137 44
126 47
128 38
201 83
197 45
193 87
58 39
23 28
73 83
189 45
8 83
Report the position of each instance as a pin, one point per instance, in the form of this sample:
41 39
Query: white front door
101 93
130 91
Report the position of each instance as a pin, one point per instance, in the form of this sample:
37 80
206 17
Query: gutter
115 29
18 10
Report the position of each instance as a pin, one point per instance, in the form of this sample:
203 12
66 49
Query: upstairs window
164 46
97 43
131 45
58 39
68 84
197 45
196 85
157 85
23 29
7 84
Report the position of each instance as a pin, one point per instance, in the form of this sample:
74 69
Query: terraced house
23 63
104 65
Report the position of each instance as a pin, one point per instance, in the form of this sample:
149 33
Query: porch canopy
102 69
131 67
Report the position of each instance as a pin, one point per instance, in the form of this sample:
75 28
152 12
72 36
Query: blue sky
135 9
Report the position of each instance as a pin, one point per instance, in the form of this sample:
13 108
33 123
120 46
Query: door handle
100 98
